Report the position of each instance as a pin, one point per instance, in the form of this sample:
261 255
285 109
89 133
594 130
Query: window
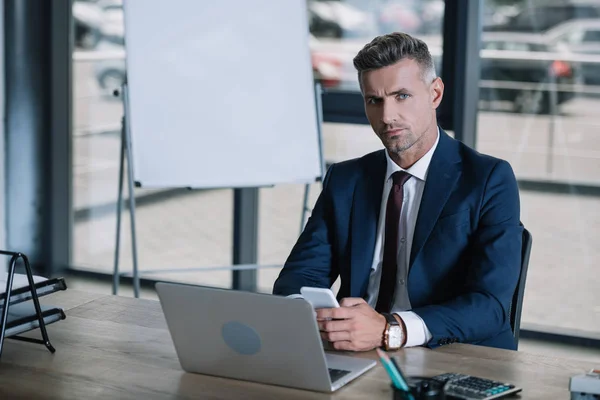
549 137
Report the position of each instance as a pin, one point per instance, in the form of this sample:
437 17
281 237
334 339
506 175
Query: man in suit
425 234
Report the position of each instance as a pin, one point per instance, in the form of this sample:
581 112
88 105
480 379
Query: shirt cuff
417 333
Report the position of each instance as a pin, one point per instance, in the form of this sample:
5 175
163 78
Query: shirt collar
418 169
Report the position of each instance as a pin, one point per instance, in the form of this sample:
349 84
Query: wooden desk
113 347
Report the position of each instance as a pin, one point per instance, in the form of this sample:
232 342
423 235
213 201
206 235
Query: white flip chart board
221 93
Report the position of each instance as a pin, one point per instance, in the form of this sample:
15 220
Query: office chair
516 304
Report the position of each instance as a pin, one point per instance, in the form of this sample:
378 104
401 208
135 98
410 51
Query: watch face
395 336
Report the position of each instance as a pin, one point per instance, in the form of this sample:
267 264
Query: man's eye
403 96
372 101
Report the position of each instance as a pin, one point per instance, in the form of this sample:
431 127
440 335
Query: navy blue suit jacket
466 252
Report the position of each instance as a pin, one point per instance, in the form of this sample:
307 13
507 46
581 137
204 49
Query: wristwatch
393 336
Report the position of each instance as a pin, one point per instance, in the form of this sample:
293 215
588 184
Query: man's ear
437 92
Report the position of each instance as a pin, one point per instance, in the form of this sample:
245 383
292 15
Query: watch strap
390 319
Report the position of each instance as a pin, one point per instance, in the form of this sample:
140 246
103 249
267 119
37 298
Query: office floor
526 345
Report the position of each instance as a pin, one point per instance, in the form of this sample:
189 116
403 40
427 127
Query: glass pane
539 111
180 233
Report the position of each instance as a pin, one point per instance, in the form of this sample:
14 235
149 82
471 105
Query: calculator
469 387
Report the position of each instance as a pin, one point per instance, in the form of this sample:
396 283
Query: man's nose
388 115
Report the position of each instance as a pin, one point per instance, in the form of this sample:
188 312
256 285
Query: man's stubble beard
398 147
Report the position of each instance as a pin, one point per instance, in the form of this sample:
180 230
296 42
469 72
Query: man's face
399 105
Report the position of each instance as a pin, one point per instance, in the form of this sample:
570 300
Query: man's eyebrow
399 91
394 93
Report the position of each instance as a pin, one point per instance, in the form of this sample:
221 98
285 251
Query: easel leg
136 277
115 287
130 180
126 153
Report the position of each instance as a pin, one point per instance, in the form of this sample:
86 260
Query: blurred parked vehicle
87 20
336 19
580 37
512 71
540 15
113 23
495 15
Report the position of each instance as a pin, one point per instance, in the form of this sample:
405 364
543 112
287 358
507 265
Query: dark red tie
389 266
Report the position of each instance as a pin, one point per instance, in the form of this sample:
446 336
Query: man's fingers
352 301
343 345
336 336
334 326
334 313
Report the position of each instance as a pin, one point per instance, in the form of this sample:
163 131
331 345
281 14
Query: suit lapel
444 171
366 207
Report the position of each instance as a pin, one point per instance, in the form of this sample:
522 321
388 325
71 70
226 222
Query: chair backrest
516 304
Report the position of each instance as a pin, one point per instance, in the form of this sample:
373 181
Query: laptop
253 337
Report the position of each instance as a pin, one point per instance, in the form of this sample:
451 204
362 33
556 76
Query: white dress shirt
417 332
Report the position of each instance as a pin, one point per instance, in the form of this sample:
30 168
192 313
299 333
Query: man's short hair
389 49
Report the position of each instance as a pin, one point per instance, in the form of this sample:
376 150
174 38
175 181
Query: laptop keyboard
335 374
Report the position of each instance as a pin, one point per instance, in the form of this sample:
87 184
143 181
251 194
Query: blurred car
336 19
512 71
112 28
87 20
326 69
580 37
540 15
495 15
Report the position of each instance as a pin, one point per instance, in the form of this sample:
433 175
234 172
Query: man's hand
354 326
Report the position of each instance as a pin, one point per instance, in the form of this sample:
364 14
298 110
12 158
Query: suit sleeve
482 311
310 261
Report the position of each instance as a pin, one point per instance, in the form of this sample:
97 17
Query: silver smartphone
319 297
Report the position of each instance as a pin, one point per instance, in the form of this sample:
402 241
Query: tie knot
400 177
